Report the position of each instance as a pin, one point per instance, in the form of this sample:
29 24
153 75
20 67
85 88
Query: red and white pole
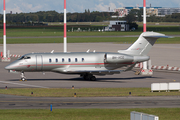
144 15
144 70
65 28
4 28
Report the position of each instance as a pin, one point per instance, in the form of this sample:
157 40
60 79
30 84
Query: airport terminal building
122 12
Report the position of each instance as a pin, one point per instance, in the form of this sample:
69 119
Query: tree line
87 16
136 15
53 16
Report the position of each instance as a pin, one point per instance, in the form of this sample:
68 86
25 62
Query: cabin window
69 59
76 60
62 59
56 60
82 59
50 60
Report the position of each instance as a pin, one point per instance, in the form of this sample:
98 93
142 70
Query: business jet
87 64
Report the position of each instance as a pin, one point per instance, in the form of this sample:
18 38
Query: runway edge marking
23 84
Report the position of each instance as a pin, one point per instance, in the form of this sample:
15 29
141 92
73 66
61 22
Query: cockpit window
24 57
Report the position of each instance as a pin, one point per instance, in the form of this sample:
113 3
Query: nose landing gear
23 78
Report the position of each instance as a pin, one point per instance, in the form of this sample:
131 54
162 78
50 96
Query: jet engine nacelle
118 58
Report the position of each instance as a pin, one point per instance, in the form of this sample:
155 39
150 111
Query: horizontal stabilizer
157 36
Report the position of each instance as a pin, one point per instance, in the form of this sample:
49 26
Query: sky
26 6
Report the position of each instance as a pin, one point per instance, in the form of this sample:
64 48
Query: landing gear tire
93 78
85 77
23 79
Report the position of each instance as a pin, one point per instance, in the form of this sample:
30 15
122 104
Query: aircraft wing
130 68
96 72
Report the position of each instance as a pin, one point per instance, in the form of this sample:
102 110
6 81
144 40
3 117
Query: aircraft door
105 58
39 62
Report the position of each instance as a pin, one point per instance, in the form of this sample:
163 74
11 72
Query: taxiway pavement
160 55
19 102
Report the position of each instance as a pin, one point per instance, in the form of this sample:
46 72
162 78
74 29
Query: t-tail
143 44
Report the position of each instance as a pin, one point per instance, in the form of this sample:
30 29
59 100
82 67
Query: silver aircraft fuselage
72 62
88 64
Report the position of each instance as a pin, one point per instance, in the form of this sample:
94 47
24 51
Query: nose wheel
23 78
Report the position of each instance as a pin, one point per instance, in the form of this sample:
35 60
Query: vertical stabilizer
143 44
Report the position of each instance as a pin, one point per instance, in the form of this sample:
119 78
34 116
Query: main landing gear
89 77
23 78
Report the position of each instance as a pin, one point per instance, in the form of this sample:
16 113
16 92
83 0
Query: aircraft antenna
52 51
88 50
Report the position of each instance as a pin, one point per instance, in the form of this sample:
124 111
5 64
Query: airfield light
74 94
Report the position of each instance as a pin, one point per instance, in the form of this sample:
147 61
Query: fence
165 86
142 116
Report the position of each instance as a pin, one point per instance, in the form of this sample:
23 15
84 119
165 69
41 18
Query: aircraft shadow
98 79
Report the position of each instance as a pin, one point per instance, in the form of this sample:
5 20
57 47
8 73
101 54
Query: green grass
85 92
119 40
58 31
87 114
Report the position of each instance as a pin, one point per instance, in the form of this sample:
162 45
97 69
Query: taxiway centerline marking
23 84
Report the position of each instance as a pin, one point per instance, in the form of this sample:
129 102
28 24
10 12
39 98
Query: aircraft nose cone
9 67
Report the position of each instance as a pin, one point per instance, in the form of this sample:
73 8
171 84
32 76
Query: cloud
32 8
102 7
16 8
177 2
121 4
79 5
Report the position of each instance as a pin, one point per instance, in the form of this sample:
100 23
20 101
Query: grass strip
85 92
38 33
120 40
58 31
87 114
